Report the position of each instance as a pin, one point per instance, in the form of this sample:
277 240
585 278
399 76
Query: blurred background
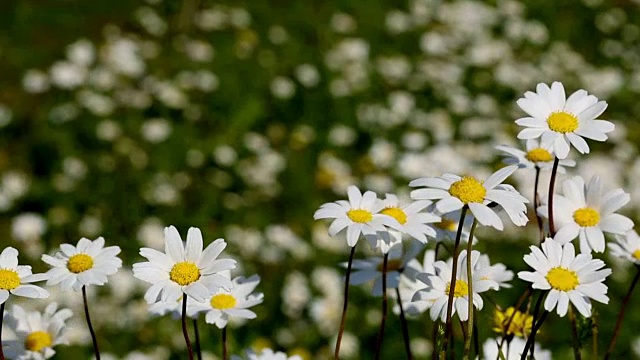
118 118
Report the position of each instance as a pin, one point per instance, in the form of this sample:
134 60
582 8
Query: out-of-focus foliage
241 118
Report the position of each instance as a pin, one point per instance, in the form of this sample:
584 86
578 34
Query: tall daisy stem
452 283
467 342
224 343
86 315
197 334
536 204
385 262
536 325
345 303
1 318
575 341
616 330
405 327
184 326
505 327
552 184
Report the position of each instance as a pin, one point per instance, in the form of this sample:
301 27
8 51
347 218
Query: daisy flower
16 279
520 323
371 269
567 277
411 217
438 284
183 269
233 303
497 272
454 192
627 247
174 308
512 351
586 213
533 156
560 121
36 333
88 263
359 215
265 354
408 285
447 228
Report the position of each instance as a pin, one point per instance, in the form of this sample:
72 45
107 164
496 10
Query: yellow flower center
392 265
586 217
396 213
360 215
447 224
636 254
520 323
9 279
539 155
37 341
562 122
184 273
79 263
223 301
562 279
468 190
462 288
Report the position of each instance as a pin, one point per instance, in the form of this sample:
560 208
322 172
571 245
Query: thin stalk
575 341
197 333
224 343
467 343
531 339
476 341
536 311
521 300
536 204
385 261
1 318
616 330
405 327
86 315
345 303
452 284
552 184
594 337
184 326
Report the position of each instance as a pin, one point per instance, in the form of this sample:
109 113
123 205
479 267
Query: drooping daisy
454 192
233 303
585 212
412 218
567 277
561 121
438 285
371 269
512 351
88 263
16 279
627 247
533 156
183 269
36 333
359 215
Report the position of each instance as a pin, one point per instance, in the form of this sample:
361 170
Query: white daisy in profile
567 277
408 285
497 272
36 334
88 263
533 156
583 211
233 303
454 192
626 247
560 121
183 269
360 215
412 218
16 279
438 285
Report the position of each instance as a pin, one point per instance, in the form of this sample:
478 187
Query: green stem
1 318
345 303
536 204
405 328
197 334
467 343
616 330
552 183
385 261
224 343
575 341
88 318
184 326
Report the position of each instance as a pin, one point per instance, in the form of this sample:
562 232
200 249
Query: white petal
194 245
579 143
499 176
531 133
485 215
173 244
593 111
616 224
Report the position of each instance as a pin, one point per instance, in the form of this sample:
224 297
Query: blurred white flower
626 247
156 130
81 52
35 81
282 88
67 75
28 227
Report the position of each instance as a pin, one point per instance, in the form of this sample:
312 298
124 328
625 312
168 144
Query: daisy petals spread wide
15 279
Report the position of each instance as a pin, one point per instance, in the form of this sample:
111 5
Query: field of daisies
421 179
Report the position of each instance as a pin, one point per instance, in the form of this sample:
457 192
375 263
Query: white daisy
567 277
627 247
174 308
447 228
16 279
585 213
534 156
364 271
359 215
183 269
512 351
454 192
411 217
438 285
559 120
408 285
36 333
233 303
497 272
88 263
265 354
